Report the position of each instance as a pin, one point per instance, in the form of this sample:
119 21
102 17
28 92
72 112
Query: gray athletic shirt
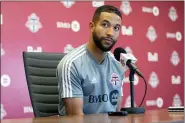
99 85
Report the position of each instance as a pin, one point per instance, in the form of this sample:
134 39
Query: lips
108 40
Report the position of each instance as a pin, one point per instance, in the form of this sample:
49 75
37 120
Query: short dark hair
105 8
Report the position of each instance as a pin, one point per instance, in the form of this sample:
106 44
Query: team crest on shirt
115 80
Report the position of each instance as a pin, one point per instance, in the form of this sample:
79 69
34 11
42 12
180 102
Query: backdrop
151 31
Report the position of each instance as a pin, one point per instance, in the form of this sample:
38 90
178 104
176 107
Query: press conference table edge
150 116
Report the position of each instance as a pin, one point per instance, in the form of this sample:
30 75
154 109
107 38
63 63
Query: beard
99 43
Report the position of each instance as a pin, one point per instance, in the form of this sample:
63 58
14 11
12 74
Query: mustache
108 38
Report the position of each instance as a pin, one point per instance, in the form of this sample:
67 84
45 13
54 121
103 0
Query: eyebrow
118 25
106 21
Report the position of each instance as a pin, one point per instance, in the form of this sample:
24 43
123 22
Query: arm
70 90
73 106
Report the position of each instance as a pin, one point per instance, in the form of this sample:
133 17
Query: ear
91 26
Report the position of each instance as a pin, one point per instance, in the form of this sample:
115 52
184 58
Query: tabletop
150 116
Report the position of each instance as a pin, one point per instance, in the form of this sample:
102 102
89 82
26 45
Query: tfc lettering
99 98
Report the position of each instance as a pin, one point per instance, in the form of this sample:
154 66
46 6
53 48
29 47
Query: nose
110 32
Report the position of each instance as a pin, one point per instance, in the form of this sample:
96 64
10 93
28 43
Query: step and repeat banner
152 31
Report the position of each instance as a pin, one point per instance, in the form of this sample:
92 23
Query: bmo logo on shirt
112 97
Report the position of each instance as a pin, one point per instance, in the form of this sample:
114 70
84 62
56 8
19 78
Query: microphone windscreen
117 53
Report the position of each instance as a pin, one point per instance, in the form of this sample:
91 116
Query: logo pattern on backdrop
2 51
175 58
176 101
151 34
68 3
128 102
176 79
158 102
74 25
1 19
153 57
153 80
154 10
126 8
172 14
96 3
127 30
154 34
68 48
5 80
33 23
3 111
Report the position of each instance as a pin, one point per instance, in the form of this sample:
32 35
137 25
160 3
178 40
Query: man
90 79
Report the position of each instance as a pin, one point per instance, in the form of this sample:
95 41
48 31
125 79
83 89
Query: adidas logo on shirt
94 80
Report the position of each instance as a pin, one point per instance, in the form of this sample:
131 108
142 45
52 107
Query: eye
105 24
117 28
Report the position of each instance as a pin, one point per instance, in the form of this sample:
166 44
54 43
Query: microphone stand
132 109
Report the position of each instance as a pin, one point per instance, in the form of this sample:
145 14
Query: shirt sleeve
69 82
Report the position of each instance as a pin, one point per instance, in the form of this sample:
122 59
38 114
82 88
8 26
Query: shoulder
73 56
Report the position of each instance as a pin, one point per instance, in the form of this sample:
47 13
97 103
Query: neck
95 51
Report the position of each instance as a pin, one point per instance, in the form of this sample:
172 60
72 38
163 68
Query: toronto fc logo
126 7
115 80
172 14
151 34
33 23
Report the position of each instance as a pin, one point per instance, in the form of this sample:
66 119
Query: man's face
106 31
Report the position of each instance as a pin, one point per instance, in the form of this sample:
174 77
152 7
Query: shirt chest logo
115 80
94 81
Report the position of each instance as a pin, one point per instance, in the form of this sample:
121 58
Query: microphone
127 59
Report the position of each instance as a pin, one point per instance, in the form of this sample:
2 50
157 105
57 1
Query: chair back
40 71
